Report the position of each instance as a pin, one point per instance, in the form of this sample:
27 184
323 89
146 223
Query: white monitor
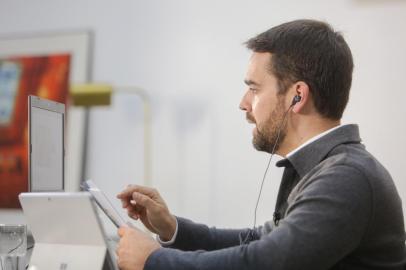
46 144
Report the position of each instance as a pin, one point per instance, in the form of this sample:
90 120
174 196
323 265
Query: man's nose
245 103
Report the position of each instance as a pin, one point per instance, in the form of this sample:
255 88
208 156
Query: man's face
263 106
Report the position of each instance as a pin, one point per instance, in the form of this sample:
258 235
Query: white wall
189 56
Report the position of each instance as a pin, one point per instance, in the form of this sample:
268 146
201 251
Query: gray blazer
338 210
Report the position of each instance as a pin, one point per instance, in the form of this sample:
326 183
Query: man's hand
134 248
146 204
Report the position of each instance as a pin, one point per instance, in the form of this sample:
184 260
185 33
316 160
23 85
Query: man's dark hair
310 51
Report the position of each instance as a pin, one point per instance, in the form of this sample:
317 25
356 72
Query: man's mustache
250 118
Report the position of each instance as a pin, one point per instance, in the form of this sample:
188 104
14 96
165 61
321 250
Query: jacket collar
312 154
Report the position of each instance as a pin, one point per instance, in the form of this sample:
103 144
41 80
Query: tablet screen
104 203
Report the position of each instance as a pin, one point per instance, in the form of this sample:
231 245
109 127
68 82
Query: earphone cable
269 162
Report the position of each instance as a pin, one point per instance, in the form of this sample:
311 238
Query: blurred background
189 59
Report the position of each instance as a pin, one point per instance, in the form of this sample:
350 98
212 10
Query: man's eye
253 90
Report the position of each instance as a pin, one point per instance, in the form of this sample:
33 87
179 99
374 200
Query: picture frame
78 44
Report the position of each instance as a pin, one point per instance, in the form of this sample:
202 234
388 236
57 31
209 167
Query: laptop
67 232
46 120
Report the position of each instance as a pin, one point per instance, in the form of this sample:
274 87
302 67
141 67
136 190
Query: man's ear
301 89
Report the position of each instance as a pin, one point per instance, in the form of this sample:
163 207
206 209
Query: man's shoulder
351 166
352 157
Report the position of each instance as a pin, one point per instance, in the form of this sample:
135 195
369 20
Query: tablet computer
104 203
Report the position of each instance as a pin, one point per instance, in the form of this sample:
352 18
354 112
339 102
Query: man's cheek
255 103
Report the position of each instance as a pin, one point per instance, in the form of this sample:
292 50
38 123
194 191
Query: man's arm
193 236
325 222
146 204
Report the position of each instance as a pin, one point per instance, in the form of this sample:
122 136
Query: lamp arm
147 127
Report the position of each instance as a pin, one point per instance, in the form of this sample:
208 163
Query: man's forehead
258 67
260 58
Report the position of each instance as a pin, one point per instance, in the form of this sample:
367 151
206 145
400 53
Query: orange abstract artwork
44 76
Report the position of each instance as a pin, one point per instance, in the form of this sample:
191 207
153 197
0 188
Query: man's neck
301 133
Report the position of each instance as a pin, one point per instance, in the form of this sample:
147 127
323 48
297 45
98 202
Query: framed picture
43 65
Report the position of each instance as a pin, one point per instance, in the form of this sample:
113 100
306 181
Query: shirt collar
312 140
308 155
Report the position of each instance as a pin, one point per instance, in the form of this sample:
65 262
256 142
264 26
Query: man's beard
270 134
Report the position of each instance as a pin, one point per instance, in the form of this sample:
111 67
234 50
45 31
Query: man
337 207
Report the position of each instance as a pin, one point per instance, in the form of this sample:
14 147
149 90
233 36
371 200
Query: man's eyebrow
251 82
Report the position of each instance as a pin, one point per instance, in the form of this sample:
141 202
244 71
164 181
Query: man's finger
122 231
150 192
126 193
134 214
143 200
137 208
124 203
126 229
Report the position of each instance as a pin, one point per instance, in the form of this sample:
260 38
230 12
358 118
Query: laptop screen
46 135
